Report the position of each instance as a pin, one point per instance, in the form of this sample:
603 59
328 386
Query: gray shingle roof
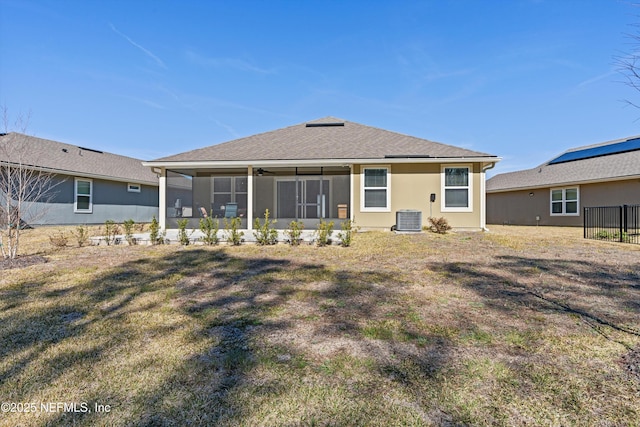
609 167
301 142
73 160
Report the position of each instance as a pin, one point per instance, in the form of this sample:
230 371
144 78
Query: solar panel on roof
604 150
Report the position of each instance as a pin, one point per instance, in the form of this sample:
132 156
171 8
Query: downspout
483 196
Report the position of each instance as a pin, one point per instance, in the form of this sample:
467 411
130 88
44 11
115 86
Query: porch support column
162 199
249 197
483 200
351 196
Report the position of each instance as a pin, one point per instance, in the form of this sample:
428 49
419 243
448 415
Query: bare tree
25 189
628 63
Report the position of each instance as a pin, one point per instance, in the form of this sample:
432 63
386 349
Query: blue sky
521 79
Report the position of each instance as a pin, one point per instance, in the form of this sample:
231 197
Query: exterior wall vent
408 220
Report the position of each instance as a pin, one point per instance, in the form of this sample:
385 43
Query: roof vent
64 150
92 150
323 125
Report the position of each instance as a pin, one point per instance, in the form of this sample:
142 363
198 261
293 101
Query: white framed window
375 192
229 196
565 201
134 188
456 188
83 195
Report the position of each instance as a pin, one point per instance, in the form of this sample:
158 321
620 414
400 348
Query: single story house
556 192
329 169
87 187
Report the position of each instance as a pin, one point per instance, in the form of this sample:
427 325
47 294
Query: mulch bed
21 261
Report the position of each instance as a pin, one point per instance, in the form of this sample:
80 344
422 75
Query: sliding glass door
303 198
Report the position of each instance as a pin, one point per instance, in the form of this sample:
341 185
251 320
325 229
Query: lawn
519 326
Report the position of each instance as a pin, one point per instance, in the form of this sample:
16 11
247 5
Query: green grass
508 328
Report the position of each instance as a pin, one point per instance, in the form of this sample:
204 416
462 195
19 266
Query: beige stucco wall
411 186
521 208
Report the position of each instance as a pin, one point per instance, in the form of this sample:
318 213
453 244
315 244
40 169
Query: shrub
111 229
156 237
323 233
624 237
183 236
439 225
209 228
232 232
265 234
294 232
81 234
346 235
128 231
59 240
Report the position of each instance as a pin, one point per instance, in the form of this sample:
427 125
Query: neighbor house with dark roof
329 169
89 186
556 192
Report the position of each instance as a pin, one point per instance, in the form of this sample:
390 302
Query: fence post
584 227
626 218
621 221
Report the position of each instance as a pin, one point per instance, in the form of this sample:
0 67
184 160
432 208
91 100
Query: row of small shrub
209 228
82 234
264 231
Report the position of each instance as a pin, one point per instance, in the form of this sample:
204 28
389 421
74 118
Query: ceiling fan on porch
261 172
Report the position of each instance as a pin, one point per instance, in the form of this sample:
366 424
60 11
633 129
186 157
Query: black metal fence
613 223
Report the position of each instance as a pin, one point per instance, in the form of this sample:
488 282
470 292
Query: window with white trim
83 197
229 191
376 194
456 189
133 188
565 201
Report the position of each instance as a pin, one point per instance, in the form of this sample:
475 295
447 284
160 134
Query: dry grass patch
520 326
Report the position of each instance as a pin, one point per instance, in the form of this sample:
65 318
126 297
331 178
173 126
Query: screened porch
290 194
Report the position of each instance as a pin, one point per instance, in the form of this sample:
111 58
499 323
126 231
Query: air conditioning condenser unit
408 220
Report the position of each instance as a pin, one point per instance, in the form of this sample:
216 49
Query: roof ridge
71 159
311 140
224 143
96 150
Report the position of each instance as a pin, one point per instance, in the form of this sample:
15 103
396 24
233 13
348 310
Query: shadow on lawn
601 294
230 301
227 300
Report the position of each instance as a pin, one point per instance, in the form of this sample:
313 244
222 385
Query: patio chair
231 210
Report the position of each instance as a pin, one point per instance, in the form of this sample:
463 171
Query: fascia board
315 162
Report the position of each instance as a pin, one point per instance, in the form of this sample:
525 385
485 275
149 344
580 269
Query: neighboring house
89 186
326 169
556 192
